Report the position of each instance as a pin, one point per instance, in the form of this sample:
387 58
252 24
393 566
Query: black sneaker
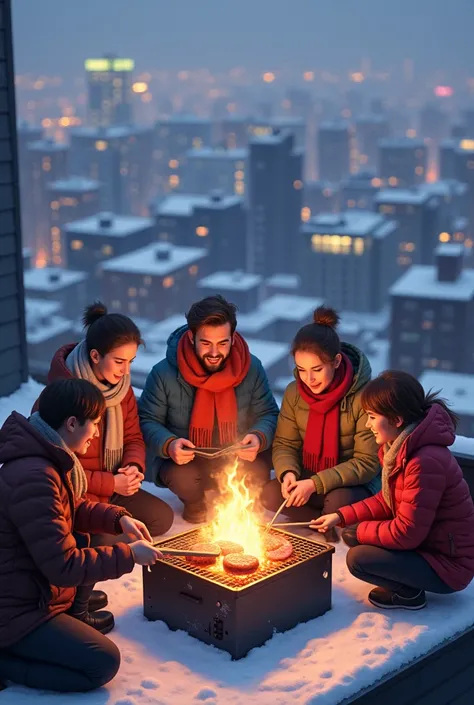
389 600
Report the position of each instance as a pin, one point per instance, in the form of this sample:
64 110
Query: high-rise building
432 315
220 223
402 161
275 198
334 151
369 129
417 212
109 85
153 282
243 289
68 287
464 172
13 348
26 133
207 169
447 158
45 161
350 259
172 139
233 132
71 199
359 191
121 159
319 197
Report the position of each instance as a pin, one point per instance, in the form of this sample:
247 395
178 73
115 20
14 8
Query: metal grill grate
303 550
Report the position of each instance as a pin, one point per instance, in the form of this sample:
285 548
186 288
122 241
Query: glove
349 536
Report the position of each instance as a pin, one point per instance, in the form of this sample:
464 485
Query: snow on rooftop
109 224
284 281
160 332
231 281
303 665
40 308
108 133
403 196
74 183
146 260
218 153
376 322
457 388
51 279
421 282
183 204
291 307
47 146
354 223
268 351
401 143
42 330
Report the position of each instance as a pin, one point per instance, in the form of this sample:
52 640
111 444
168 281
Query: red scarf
214 392
321 441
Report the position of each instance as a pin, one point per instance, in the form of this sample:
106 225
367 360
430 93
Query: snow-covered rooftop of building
108 133
334 125
231 281
40 331
218 153
51 278
275 136
146 260
303 665
457 388
110 224
421 282
183 204
351 222
403 196
268 351
37 309
376 322
47 145
160 332
74 184
185 120
284 281
370 119
401 143
286 307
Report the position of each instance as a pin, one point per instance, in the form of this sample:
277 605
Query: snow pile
321 662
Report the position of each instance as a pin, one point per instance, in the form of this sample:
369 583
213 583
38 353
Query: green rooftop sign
109 64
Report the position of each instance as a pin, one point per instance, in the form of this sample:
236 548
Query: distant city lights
140 87
443 91
269 77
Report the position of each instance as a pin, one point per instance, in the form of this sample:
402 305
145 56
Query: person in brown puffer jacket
42 500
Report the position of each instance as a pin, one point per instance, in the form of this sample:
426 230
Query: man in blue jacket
209 391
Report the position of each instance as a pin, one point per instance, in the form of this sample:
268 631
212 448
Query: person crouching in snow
417 533
42 501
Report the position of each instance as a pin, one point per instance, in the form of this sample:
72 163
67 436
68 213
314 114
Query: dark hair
70 397
319 337
107 331
211 311
395 393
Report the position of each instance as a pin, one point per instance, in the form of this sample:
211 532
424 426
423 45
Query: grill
232 612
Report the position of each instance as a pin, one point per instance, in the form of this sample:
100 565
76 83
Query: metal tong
278 511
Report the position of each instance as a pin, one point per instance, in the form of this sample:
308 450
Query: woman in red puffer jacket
417 533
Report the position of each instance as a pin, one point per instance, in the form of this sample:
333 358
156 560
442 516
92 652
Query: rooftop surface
421 282
51 279
121 226
231 281
145 260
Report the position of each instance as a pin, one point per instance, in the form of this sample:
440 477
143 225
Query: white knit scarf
79 365
390 458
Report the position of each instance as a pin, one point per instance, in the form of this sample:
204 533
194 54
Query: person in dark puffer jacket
42 500
115 460
417 533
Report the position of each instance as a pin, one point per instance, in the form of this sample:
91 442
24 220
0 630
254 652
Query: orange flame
236 518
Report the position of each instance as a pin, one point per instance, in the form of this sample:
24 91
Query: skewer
186 552
292 523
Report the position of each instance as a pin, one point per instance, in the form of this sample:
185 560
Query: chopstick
292 523
186 552
280 509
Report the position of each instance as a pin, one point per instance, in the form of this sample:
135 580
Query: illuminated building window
239 188
202 231
316 242
393 181
54 205
193 270
147 281
346 243
57 259
419 170
107 250
407 247
173 163
168 282
387 209
240 165
359 246
351 203
77 244
173 180
326 240
46 164
376 182
427 325
444 237
66 201
411 133
298 184
239 174
140 87
404 261
55 232
305 214
468 242
56 247
335 244
268 77
197 143
132 292
308 76
101 145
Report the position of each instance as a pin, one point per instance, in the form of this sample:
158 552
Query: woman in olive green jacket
323 454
